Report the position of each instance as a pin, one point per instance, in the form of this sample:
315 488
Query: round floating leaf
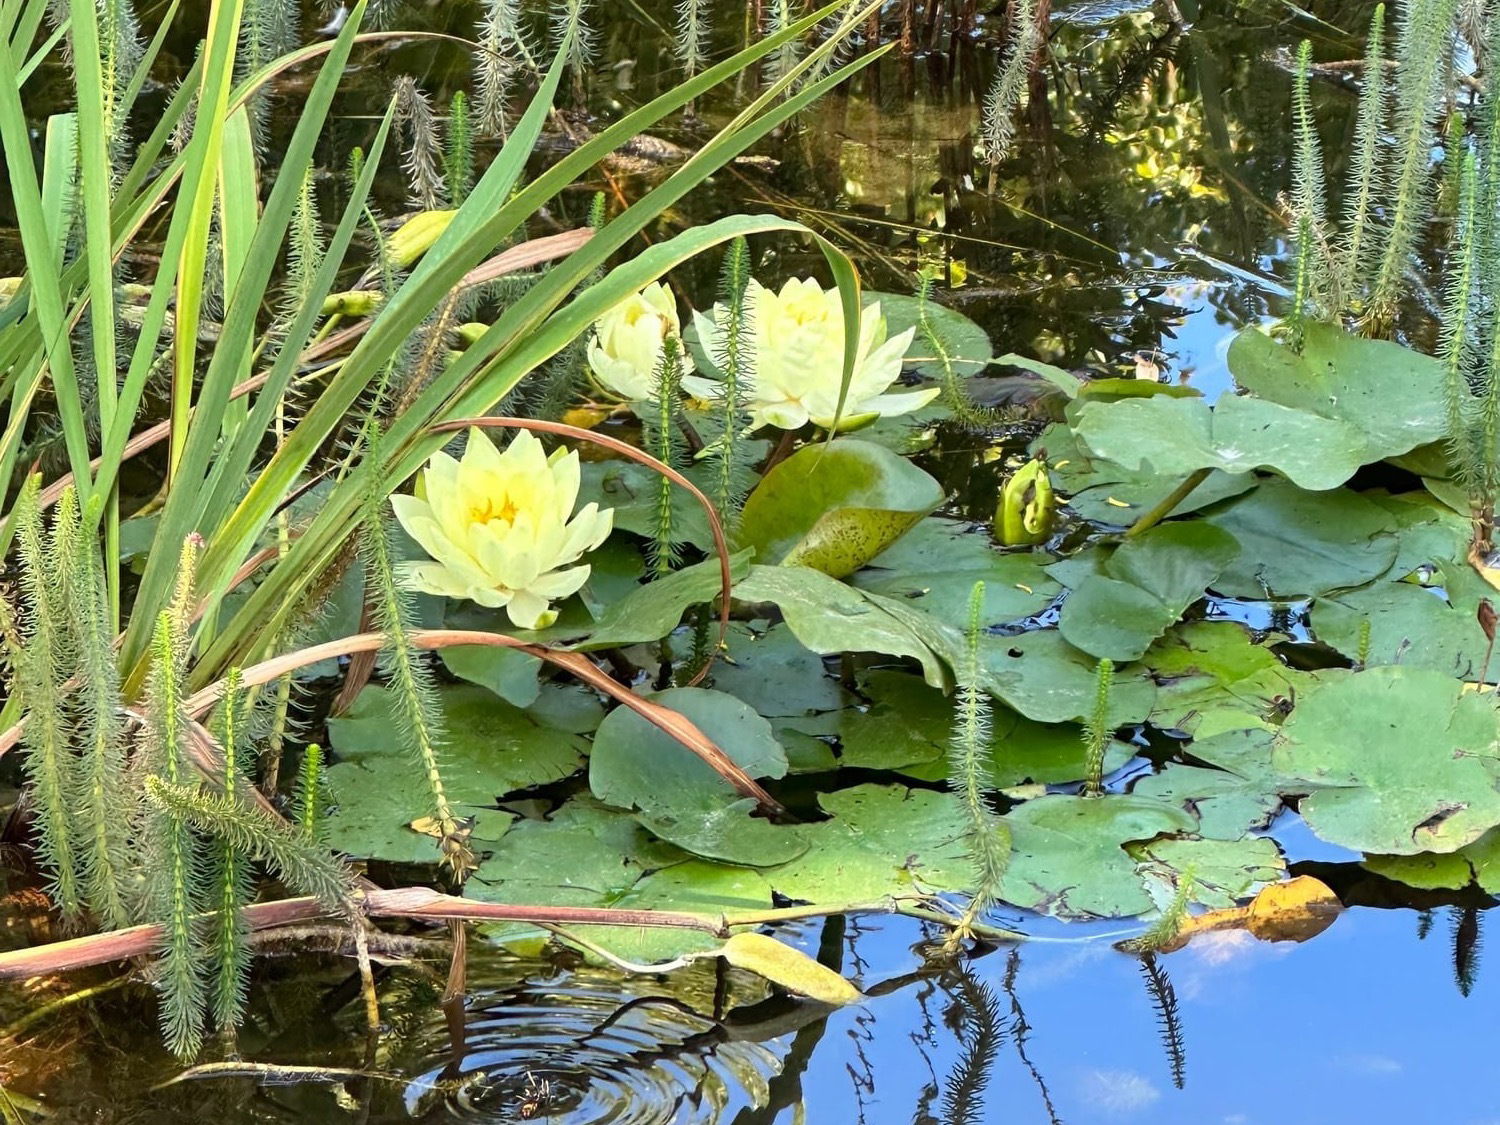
1478 862
1069 855
1392 395
1106 493
882 840
635 765
831 617
1223 871
780 678
1212 679
792 969
1227 805
935 566
1296 543
835 507
650 612
508 672
908 725
587 855
1394 760
1109 618
1176 437
1045 678
968 346
490 749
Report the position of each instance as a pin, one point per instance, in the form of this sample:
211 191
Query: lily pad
836 506
1477 863
652 611
1106 493
908 724
590 856
1045 678
1149 582
1211 678
1394 760
1176 437
635 765
830 617
1392 395
490 749
508 672
968 345
781 679
1069 856
1223 871
1294 542
882 840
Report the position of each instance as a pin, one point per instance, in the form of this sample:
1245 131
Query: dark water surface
1138 215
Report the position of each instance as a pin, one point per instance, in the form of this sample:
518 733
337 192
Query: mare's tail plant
1423 57
663 440
968 772
955 394
1364 171
1309 219
998 116
981 1034
1168 1016
735 360
1097 732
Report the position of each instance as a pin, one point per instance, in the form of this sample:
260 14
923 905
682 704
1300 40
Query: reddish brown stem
401 902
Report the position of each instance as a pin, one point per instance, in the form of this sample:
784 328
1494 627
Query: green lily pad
1106 493
829 616
490 749
1394 760
1149 581
634 765
968 345
1069 856
652 611
1211 678
1176 437
836 506
1227 804
908 724
630 488
1297 543
1045 678
1477 863
1411 624
1392 395
508 672
882 840
780 678
1224 871
936 564
590 856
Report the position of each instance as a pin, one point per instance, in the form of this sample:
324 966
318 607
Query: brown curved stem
672 723
625 449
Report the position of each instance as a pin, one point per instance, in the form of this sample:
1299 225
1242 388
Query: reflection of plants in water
1467 944
981 1034
1020 1033
1168 1019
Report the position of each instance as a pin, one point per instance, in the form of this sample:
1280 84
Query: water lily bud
498 530
627 343
1027 506
415 237
798 338
469 333
354 302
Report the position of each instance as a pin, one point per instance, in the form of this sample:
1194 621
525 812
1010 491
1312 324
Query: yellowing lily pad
834 507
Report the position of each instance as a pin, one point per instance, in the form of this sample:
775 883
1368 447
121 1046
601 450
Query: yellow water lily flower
627 342
497 527
799 349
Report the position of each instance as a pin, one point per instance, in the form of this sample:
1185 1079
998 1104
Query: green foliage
735 364
1363 182
1309 221
1097 733
997 124
1423 53
969 748
458 153
691 42
663 440
310 796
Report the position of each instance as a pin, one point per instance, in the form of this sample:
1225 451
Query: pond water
1137 218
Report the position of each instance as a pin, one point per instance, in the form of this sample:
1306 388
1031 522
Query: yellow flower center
494 508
